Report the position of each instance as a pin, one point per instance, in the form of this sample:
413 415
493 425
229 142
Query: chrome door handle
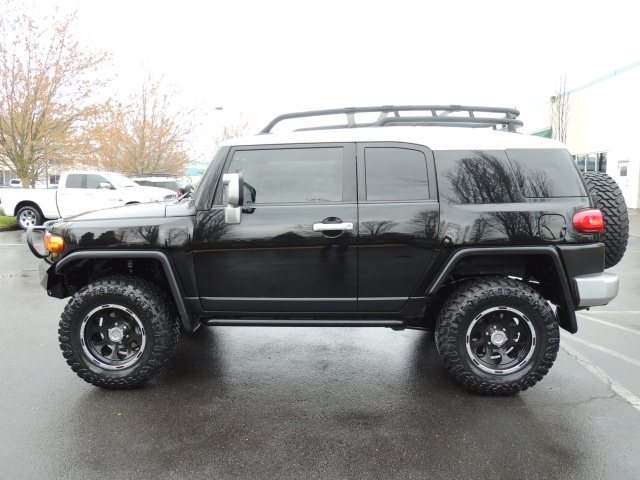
325 227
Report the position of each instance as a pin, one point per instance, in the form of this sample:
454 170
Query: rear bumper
596 289
2 212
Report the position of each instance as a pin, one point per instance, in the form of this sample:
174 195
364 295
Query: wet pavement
314 402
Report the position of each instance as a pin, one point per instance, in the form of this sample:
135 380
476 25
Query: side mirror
235 197
105 186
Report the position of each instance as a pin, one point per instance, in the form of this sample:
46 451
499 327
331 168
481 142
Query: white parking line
609 324
613 353
616 387
610 312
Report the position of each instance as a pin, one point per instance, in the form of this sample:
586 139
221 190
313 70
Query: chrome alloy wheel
501 340
112 337
28 218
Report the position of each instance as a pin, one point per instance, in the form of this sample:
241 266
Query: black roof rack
431 115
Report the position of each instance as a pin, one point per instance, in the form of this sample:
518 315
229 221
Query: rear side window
291 175
476 177
546 173
74 180
396 174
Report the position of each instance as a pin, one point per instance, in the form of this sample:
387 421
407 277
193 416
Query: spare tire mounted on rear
608 198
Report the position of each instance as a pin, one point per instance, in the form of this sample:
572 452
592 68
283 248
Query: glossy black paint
482 203
273 261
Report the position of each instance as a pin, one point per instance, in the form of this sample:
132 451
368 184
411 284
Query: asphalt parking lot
315 402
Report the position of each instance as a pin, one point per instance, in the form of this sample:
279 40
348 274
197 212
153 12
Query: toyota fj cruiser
490 237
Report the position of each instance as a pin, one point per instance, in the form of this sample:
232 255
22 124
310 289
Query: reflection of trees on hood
484 179
86 240
175 236
149 233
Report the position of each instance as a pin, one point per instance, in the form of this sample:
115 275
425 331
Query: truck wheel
118 332
609 199
497 336
29 216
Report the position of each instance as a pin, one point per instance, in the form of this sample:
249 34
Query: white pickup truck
77 192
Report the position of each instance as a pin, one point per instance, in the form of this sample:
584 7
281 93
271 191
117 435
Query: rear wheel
609 200
118 332
497 336
29 216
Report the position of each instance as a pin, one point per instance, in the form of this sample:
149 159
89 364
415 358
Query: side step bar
308 322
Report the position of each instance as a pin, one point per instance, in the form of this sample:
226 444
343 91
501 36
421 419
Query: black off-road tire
118 332
496 309
29 216
609 199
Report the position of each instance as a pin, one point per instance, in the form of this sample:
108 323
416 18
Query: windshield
122 181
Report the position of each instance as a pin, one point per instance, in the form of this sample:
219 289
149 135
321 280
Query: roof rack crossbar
440 115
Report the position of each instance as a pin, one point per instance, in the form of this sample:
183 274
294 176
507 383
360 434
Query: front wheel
118 332
497 336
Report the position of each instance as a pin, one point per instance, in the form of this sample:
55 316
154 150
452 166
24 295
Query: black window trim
362 183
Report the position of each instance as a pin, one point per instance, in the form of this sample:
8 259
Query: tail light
588 221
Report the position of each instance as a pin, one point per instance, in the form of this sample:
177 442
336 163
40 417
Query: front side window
94 181
396 174
291 175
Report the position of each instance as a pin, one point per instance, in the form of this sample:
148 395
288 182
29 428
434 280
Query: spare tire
607 196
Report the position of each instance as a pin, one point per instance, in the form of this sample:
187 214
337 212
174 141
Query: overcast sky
270 57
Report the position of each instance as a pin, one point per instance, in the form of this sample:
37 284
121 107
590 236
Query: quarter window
396 174
292 175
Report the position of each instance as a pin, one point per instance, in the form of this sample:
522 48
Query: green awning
544 133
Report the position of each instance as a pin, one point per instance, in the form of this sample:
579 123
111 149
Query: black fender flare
189 321
569 322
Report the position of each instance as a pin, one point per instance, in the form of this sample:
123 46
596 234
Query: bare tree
238 129
46 85
560 106
145 136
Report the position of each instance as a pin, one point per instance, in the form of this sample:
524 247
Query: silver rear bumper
596 289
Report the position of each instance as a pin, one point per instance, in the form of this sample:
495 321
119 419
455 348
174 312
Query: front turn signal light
53 243
588 221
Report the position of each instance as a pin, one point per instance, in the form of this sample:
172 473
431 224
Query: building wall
603 117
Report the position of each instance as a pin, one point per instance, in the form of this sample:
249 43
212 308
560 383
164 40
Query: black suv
491 238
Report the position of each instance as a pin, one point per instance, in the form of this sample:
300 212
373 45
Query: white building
603 127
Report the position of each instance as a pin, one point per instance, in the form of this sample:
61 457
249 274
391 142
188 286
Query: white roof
435 138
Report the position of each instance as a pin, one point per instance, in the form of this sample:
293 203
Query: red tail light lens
588 221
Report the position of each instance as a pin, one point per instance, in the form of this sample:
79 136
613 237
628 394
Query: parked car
17 183
171 182
77 192
490 238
